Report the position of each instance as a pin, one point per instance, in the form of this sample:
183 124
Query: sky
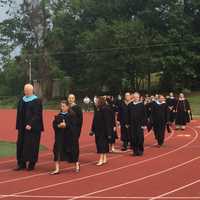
4 16
3 10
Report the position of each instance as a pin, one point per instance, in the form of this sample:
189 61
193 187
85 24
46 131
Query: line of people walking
132 115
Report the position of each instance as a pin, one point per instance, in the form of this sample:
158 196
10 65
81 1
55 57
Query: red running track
170 172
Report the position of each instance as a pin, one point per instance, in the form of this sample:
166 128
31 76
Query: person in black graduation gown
160 118
122 119
78 113
148 106
102 129
112 114
29 124
65 146
183 111
137 122
171 102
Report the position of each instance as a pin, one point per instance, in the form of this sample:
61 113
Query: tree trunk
149 80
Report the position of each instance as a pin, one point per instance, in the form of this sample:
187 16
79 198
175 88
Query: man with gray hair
122 119
29 124
137 121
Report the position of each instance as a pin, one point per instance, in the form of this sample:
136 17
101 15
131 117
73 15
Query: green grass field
9 149
194 99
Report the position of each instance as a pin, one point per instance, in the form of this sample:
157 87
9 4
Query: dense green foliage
104 45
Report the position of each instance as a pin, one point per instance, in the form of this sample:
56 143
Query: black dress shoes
31 166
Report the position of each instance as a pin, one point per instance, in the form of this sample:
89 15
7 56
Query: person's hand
114 129
127 126
28 127
62 124
170 107
144 127
91 133
189 111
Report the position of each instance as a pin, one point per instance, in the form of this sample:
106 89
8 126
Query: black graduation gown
171 102
112 119
182 116
160 117
78 118
148 108
66 146
29 113
122 117
137 119
102 129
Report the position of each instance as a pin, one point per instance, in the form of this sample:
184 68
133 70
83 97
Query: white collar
135 103
160 103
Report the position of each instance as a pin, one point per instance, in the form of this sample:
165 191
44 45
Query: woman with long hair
102 129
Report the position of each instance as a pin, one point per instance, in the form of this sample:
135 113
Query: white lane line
45 154
45 173
149 176
176 190
94 197
50 153
108 171
139 179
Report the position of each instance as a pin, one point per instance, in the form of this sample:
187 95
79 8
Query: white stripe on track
108 171
46 173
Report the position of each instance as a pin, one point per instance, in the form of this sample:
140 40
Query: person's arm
107 115
167 114
55 125
128 117
19 107
187 105
79 116
36 116
93 127
144 117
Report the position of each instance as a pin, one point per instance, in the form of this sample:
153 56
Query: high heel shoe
54 173
100 163
77 169
105 161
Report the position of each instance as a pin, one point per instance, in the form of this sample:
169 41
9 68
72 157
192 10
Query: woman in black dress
113 109
65 146
102 129
183 111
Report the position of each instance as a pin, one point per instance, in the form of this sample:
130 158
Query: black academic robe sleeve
29 113
67 119
167 111
144 110
78 117
187 105
108 120
36 120
19 115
